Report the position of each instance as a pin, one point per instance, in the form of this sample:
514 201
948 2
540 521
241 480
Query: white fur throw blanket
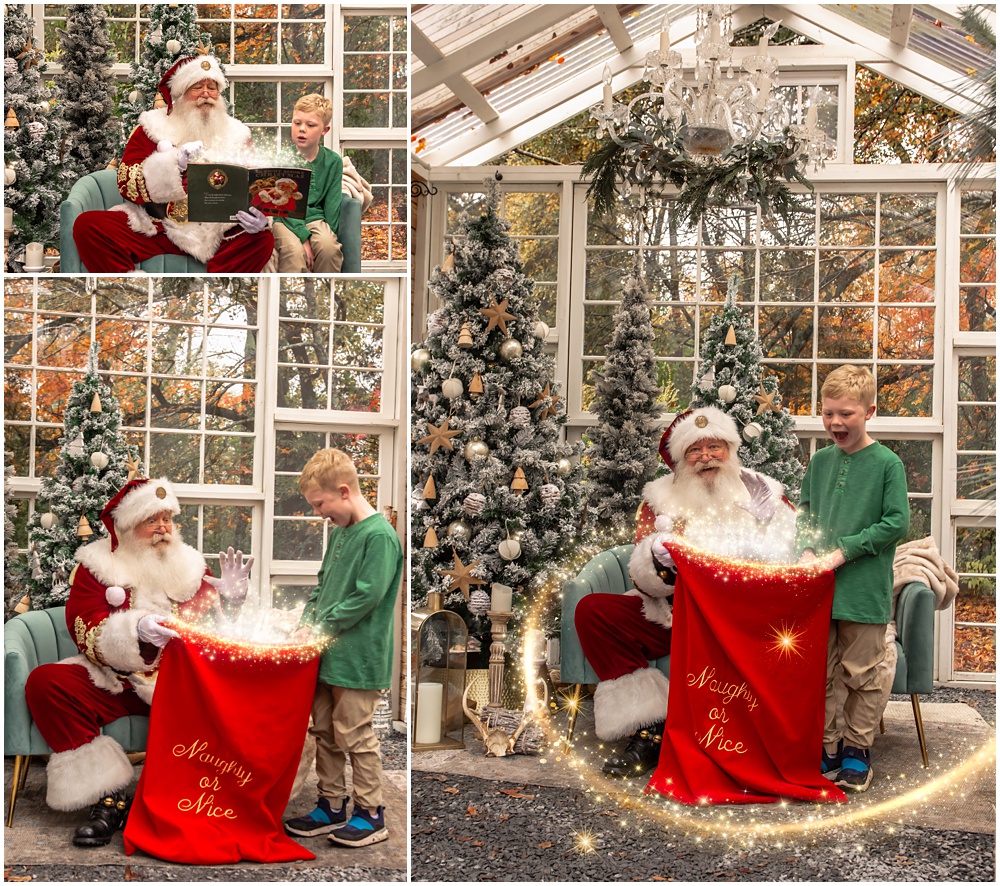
355 186
921 561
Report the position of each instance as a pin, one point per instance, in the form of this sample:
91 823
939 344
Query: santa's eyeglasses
159 520
205 86
713 451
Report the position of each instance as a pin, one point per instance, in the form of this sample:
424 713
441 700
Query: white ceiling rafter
463 90
899 29
617 31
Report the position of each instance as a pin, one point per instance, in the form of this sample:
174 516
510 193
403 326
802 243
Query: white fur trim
630 702
138 219
151 588
200 240
80 777
642 572
719 425
143 502
194 72
658 611
102 678
118 641
232 139
162 177
144 684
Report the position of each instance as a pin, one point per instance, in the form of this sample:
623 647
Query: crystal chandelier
719 124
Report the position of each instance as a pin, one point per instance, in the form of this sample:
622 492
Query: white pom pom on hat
704 423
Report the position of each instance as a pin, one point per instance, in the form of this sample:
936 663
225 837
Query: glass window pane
255 102
674 331
303 44
366 109
847 220
531 214
847 276
63 341
356 391
975 649
370 71
905 390
845 333
175 456
786 332
366 33
979 260
977 427
539 258
917 458
294 448
795 384
17 395
605 272
176 403
906 276
360 301
227 526
908 219
906 333
976 477
979 212
298 539
920 519
786 275
229 460
978 308
302 387
256 43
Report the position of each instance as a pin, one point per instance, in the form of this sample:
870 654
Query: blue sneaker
855 770
321 820
362 830
831 762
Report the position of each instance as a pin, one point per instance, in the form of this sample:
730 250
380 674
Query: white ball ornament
419 359
479 602
99 460
48 520
752 431
476 449
9 175
437 323
173 46
115 595
133 96
10 65
474 504
520 417
452 388
541 330
509 549
564 466
549 494
727 393
510 350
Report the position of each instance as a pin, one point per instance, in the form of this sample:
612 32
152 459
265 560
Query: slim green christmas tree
172 33
94 463
33 134
623 457
13 562
731 377
88 107
496 493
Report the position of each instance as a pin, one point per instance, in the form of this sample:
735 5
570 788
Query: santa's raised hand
235 576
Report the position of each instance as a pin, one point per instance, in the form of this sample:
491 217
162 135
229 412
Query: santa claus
152 179
715 504
122 591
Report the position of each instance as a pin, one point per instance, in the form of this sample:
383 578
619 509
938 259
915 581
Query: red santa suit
111 590
153 219
621 633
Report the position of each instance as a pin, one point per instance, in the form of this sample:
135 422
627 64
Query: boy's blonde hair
851 383
328 469
315 104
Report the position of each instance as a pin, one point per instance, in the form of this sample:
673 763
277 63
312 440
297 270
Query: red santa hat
185 73
704 423
136 501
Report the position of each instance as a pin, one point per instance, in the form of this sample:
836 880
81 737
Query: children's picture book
217 191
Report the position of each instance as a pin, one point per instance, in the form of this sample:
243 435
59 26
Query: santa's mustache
708 465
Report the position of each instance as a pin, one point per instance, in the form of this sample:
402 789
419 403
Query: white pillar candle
608 95
430 700
33 255
8 218
500 598
665 35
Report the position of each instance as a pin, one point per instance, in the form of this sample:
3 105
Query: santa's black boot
106 816
639 756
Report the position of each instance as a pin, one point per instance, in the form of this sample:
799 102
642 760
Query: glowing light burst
235 648
759 825
786 641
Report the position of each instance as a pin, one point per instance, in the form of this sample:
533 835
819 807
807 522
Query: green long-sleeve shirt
325 192
353 602
856 503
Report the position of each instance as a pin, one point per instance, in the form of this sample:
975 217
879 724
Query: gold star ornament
766 401
440 436
498 315
462 577
553 402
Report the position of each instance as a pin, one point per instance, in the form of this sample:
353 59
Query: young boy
312 245
854 510
353 604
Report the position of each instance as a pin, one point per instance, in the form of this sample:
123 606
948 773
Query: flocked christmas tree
731 377
88 87
496 493
172 33
13 564
623 457
33 134
94 463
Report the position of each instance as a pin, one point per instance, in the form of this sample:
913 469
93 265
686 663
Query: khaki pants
289 256
342 727
854 653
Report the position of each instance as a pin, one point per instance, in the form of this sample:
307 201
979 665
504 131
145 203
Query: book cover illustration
217 191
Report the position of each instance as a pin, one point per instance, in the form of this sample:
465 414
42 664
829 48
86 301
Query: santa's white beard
201 120
704 501
157 562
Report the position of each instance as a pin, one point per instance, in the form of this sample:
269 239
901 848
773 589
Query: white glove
235 577
253 221
151 631
188 152
762 504
660 552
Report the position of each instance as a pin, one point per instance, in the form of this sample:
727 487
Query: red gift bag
226 731
747 683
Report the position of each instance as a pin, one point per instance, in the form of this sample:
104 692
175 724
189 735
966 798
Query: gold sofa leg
17 780
920 728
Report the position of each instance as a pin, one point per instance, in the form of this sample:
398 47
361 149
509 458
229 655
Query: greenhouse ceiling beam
482 50
907 67
899 29
612 20
555 106
463 90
